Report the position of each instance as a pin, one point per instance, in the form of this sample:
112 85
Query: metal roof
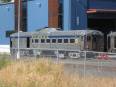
77 32
112 34
55 32
29 34
22 34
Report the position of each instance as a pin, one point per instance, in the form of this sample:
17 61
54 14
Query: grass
45 73
4 60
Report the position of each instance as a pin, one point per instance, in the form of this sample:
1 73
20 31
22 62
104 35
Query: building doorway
103 25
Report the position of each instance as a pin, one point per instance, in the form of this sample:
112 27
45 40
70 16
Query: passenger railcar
53 39
111 42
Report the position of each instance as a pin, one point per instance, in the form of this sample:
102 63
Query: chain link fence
83 62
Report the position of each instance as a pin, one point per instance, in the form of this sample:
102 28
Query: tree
5 1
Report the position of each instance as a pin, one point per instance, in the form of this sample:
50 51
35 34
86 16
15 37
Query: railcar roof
72 32
78 32
112 34
56 32
25 34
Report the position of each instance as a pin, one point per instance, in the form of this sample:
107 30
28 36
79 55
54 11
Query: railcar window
109 42
115 42
53 40
94 38
59 40
65 40
10 43
82 38
42 40
88 38
72 40
32 41
48 40
28 42
36 41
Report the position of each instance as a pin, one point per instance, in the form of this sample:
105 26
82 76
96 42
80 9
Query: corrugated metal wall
74 15
78 14
102 4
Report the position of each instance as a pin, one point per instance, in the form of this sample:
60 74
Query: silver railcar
111 42
53 39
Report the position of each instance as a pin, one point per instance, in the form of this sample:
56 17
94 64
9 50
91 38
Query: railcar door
88 42
10 43
97 43
94 42
114 49
111 40
109 43
28 42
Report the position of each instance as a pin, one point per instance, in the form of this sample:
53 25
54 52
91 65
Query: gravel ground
102 68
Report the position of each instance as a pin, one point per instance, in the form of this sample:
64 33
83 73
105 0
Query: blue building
6 21
37 14
65 14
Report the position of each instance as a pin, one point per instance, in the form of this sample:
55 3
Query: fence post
18 55
98 65
35 54
57 55
85 58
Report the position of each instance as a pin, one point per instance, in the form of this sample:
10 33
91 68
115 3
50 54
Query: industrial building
64 14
